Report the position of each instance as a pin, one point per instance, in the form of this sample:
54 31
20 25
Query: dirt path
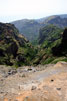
47 85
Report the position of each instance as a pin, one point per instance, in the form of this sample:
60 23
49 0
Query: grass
48 60
59 59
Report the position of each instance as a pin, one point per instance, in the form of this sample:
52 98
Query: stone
33 87
58 88
52 80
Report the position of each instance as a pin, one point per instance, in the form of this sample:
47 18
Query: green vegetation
16 50
52 43
30 28
49 34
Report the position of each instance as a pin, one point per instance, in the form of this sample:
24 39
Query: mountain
49 33
16 50
56 20
52 45
63 15
44 19
30 28
14 47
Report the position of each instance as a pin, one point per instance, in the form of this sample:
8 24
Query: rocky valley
34 70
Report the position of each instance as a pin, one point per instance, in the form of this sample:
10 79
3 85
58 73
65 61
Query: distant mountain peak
30 28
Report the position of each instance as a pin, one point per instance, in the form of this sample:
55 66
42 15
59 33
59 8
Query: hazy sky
32 9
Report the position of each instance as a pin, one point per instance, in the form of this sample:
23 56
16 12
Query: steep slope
49 33
52 47
61 49
30 28
14 47
57 20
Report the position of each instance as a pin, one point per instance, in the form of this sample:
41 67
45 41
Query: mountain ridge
30 28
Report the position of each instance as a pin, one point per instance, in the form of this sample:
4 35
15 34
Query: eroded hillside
15 49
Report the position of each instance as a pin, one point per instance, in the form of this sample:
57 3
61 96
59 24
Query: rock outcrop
14 47
61 49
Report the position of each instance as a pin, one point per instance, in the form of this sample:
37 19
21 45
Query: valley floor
42 83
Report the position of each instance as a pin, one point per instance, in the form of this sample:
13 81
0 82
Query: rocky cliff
14 47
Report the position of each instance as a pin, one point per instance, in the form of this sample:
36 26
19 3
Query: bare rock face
61 49
61 64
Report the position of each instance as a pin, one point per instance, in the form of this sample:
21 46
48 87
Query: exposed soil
42 83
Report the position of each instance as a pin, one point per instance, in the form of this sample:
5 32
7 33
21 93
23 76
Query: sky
11 10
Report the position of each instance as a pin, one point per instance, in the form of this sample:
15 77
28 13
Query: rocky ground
42 83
